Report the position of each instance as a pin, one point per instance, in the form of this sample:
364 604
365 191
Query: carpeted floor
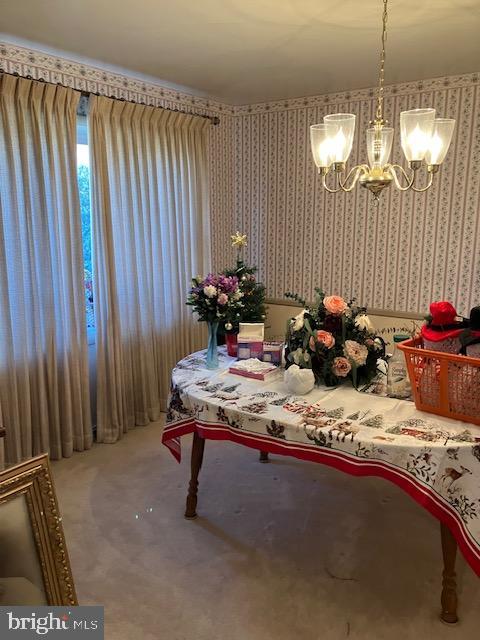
280 551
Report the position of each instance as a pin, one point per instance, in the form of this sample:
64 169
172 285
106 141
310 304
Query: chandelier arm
356 171
410 179
327 188
428 185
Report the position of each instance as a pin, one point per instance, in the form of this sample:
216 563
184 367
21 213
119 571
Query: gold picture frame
35 563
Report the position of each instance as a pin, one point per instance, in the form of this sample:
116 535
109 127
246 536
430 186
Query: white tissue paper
299 381
253 365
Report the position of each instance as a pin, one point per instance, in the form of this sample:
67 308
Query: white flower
297 355
377 344
237 295
298 321
364 323
210 291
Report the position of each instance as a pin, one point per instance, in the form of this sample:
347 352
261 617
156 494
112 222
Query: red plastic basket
443 383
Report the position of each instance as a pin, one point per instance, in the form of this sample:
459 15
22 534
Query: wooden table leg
449 590
264 456
198 447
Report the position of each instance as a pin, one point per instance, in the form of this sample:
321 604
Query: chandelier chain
381 75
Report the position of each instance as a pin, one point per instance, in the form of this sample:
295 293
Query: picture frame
34 563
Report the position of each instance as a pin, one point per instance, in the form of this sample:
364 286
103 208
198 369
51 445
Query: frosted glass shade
379 146
416 128
343 140
321 141
440 140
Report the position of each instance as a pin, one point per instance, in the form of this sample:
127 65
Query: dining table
435 460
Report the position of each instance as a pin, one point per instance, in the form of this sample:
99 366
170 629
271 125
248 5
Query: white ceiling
244 51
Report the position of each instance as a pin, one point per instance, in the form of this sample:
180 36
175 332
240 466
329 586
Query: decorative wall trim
405 88
85 77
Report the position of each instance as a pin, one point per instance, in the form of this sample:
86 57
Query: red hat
443 323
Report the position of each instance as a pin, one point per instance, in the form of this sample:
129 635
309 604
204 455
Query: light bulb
339 143
418 142
440 141
416 128
321 141
344 124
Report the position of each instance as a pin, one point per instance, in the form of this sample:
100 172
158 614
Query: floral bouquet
215 299
335 339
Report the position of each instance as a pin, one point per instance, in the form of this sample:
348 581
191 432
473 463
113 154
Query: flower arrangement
334 338
215 297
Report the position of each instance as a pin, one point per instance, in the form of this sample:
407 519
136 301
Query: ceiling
244 51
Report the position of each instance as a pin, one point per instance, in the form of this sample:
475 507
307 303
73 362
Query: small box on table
250 340
272 352
255 369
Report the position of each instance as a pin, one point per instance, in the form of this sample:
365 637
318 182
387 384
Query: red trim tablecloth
435 460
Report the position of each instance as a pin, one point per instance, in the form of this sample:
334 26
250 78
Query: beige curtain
151 235
43 348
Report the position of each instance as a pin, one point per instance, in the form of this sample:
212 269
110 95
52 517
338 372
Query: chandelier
424 138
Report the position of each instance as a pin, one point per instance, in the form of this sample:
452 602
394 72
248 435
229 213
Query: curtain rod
213 119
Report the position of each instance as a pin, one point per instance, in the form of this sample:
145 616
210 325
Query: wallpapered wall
37 64
399 256
410 250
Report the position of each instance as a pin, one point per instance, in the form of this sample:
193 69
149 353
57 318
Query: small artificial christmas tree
252 308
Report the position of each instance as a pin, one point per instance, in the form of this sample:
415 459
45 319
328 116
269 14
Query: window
83 174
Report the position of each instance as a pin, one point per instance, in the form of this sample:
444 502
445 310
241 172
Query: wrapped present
272 352
250 340
256 369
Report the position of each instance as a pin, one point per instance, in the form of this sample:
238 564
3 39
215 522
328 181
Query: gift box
250 340
255 369
272 352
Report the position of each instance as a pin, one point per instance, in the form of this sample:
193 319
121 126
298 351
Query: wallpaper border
86 77
392 90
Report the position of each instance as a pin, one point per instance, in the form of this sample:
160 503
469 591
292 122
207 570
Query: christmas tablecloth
435 460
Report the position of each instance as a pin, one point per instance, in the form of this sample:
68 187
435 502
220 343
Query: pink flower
356 352
325 338
335 305
222 299
341 367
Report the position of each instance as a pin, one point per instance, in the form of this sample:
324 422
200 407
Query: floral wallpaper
399 256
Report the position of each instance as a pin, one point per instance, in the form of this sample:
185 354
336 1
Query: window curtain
151 234
43 348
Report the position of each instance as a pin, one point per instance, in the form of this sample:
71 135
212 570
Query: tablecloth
435 460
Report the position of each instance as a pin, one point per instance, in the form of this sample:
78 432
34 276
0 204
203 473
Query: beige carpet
281 551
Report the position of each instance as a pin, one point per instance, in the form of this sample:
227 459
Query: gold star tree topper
239 241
